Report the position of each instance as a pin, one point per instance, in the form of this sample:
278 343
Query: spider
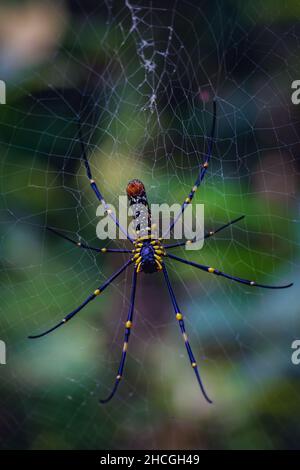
150 255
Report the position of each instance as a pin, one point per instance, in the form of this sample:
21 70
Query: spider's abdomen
138 202
148 255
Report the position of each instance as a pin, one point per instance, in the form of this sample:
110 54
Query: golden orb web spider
149 256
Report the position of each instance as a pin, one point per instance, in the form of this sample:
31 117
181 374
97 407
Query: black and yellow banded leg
128 326
202 171
85 246
207 234
95 187
217 272
91 297
179 318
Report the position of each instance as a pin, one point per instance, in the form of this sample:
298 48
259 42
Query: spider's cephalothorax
148 254
148 251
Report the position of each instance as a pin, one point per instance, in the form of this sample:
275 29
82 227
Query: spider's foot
113 392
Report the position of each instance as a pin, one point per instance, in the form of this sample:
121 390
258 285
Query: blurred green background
143 78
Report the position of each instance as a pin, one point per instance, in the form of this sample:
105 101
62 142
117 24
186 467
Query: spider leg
211 270
87 301
201 173
207 235
179 317
95 187
84 246
128 326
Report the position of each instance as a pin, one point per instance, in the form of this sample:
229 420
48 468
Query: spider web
143 75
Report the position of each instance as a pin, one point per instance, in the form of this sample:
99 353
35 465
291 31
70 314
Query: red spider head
135 189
